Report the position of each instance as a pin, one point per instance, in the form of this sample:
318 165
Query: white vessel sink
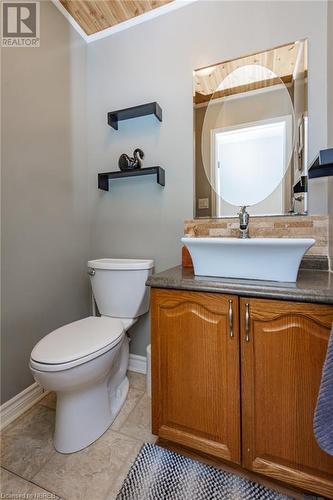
273 259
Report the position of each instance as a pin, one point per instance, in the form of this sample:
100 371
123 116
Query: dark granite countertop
311 286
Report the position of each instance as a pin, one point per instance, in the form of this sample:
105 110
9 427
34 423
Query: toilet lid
77 340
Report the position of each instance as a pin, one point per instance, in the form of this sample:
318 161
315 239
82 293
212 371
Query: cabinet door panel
195 379
281 372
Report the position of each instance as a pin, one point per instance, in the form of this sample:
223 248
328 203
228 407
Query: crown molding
70 19
147 16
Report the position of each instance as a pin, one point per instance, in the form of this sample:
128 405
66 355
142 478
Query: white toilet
85 362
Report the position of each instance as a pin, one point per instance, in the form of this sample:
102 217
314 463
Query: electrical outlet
203 203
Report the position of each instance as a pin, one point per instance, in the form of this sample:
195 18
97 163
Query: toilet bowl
85 362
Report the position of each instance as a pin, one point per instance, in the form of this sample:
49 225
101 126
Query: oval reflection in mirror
247 138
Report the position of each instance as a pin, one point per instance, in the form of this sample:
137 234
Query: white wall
155 61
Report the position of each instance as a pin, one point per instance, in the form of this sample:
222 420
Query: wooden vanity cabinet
283 348
195 371
238 378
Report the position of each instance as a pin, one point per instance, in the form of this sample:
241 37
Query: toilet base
118 397
82 417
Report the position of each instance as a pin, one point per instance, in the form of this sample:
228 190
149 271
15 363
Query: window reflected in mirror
250 124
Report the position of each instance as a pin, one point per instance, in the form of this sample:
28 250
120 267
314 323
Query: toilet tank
119 286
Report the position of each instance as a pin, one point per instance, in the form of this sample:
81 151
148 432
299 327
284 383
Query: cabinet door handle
231 320
247 322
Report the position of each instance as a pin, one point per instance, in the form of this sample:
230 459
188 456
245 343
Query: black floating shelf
152 108
322 166
103 178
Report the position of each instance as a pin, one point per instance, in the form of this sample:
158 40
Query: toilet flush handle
91 271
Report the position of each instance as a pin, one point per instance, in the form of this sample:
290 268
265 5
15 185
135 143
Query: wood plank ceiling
97 15
221 80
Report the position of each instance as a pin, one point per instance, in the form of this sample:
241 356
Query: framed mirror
251 134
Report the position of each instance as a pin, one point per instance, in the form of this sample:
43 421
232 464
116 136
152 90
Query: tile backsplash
293 226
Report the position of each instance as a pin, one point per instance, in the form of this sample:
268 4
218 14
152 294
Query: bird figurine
126 162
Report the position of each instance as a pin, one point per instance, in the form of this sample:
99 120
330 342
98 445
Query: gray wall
330 114
330 74
45 197
154 61
53 217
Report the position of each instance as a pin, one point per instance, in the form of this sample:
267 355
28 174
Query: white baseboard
20 403
137 364
23 401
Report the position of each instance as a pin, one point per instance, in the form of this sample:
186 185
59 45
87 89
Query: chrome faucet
244 220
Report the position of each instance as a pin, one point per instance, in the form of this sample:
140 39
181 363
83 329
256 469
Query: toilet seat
76 343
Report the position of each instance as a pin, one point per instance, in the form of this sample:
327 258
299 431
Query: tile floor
31 468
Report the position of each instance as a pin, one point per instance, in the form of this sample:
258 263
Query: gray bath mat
159 474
